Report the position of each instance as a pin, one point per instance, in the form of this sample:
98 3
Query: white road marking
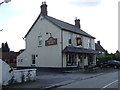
109 84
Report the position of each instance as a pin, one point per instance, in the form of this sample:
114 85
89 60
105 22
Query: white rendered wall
47 56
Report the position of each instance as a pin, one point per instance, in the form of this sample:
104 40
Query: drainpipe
62 47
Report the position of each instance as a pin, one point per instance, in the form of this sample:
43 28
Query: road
108 80
102 78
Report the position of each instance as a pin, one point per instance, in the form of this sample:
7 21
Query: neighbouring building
8 56
117 53
52 43
0 53
101 51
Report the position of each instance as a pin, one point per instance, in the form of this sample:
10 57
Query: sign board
51 41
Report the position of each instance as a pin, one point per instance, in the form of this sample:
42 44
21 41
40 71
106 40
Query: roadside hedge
108 57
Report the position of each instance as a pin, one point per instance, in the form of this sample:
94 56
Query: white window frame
89 43
70 36
39 40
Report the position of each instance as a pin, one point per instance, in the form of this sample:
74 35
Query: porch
79 57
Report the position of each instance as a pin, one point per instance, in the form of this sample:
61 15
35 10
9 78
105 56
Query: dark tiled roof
9 55
79 50
98 47
66 26
62 25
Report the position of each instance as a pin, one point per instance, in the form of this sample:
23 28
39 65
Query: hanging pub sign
51 41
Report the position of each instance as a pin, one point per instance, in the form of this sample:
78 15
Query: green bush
108 57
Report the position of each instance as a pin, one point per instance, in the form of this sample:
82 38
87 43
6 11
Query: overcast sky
99 18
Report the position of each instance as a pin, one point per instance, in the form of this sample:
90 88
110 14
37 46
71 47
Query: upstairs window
89 43
39 40
70 38
79 41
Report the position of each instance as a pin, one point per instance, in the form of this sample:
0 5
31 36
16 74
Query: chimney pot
44 2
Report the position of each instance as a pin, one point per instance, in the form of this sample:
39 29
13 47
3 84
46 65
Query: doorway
81 61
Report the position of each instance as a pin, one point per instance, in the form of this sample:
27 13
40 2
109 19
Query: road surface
108 80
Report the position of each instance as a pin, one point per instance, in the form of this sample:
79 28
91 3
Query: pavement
50 80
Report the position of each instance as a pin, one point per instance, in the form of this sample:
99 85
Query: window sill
79 46
33 65
40 46
71 64
89 48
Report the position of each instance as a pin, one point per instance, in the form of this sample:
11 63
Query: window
18 60
70 38
79 41
39 40
89 43
21 60
71 59
33 59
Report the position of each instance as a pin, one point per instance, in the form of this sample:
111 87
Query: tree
5 47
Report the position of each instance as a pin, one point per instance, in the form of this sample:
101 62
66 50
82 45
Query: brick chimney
44 9
77 23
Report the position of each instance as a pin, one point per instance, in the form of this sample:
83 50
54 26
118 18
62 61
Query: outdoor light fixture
49 33
5 1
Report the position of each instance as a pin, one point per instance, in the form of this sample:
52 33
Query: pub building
52 43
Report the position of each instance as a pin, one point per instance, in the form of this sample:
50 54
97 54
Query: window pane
89 43
79 41
70 38
71 59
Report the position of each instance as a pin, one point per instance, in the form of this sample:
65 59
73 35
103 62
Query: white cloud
85 3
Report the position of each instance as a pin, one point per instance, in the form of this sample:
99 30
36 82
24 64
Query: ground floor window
33 59
71 59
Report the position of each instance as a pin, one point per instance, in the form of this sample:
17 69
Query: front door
81 61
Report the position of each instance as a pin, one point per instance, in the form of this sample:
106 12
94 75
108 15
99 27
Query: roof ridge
67 26
62 25
63 21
